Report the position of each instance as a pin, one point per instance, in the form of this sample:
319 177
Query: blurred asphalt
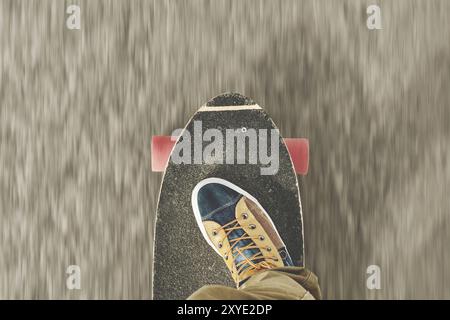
78 109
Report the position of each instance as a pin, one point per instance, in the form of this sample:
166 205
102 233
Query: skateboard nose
230 99
214 196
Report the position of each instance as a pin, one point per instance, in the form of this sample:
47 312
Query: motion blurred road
78 109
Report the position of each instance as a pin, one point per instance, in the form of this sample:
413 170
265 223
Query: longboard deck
183 261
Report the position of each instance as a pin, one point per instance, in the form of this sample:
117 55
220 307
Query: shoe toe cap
213 196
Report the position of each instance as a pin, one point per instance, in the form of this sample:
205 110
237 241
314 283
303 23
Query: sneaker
238 228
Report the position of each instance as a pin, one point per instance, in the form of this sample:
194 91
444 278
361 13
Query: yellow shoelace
248 262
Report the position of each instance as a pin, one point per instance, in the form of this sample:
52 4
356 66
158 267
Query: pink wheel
299 150
161 148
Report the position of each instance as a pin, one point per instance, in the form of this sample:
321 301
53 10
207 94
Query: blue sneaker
238 228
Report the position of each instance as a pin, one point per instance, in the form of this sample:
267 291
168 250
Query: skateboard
230 137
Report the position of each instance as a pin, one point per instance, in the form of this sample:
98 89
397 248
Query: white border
232 186
229 108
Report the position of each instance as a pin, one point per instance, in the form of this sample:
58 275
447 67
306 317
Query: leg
286 283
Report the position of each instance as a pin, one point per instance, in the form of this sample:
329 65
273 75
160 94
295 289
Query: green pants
288 283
